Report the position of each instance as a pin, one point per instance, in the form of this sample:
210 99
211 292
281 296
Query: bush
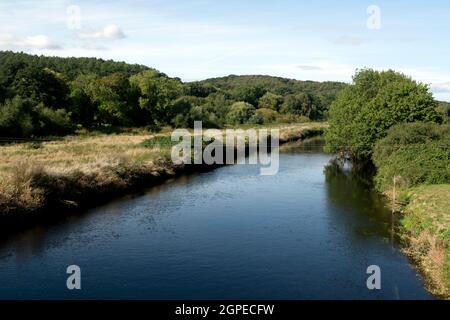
153 128
240 112
416 152
270 101
301 104
15 118
256 119
267 115
52 122
292 118
19 118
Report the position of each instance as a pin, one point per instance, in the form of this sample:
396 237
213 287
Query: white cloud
443 87
109 32
309 68
10 41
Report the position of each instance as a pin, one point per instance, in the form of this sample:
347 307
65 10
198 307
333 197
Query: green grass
426 227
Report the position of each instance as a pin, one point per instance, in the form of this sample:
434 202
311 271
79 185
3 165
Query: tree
112 93
301 104
270 101
157 91
51 122
250 94
82 103
198 89
268 115
364 111
16 118
22 118
41 85
240 112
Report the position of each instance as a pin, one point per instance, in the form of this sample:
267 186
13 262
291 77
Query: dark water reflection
305 233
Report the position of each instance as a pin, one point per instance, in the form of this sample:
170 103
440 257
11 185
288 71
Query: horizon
201 39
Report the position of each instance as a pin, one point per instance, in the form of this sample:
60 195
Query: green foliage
416 153
323 92
51 122
364 111
250 94
16 118
270 101
158 142
267 115
277 85
156 94
197 89
21 118
240 112
42 86
301 104
71 67
444 109
112 96
82 107
107 95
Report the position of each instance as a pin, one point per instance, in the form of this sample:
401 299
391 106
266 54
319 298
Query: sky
198 39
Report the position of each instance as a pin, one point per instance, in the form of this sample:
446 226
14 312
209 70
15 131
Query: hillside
10 62
42 96
282 86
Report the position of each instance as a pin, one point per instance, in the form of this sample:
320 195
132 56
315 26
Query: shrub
52 122
292 118
240 112
270 101
267 115
15 118
153 128
416 152
301 104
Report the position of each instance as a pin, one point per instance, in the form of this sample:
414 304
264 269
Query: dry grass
29 174
76 168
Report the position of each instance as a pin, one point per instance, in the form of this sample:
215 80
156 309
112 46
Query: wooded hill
53 96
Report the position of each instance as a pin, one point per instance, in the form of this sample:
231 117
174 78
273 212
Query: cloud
309 68
109 32
443 87
30 42
349 41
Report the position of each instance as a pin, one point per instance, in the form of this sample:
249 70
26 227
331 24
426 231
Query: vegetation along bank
393 122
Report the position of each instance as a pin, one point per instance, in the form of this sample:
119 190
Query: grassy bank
425 227
77 171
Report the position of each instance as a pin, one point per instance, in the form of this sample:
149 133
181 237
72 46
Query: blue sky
196 39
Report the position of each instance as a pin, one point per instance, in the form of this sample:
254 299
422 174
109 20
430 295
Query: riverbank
425 229
41 179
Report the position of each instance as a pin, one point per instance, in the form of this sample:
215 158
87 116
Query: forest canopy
53 96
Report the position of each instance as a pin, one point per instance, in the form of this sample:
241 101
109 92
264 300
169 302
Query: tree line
390 120
54 96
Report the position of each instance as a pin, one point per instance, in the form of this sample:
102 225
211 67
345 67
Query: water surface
305 233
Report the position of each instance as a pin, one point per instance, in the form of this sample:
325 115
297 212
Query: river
304 233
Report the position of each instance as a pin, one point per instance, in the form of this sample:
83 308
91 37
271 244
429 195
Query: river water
305 233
